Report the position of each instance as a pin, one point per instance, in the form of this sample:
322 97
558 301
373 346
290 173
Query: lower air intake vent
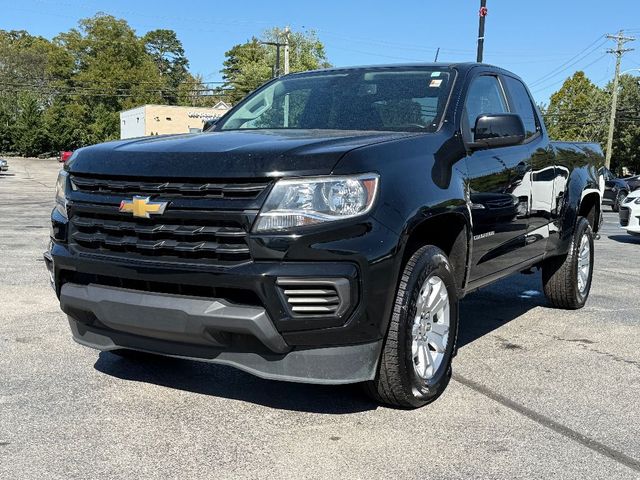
316 297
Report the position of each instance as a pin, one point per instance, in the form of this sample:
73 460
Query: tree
246 68
193 92
577 112
250 64
29 137
626 140
67 125
306 51
24 94
168 54
110 71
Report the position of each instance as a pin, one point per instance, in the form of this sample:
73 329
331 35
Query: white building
167 119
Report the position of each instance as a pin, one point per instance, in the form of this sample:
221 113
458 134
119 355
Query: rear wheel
415 364
567 280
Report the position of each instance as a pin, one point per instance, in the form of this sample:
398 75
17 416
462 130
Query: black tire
560 274
396 382
619 200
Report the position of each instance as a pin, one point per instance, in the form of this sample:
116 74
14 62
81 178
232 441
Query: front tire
620 197
567 280
415 363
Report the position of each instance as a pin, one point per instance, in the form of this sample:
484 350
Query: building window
168 118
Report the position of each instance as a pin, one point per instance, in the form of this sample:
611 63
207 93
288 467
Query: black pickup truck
325 229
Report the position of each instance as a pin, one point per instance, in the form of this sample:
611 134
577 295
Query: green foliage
29 136
576 111
246 68
250 64
66 93
168 55
306 51
580 111
626 139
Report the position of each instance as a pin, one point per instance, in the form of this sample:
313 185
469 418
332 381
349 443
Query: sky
543 41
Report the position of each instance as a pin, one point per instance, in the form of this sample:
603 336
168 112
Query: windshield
391 99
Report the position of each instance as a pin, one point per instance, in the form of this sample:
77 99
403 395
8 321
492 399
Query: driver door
499 186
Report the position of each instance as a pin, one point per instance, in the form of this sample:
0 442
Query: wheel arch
451 232
590 207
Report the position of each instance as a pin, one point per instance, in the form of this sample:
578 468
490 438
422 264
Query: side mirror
208 124
498 130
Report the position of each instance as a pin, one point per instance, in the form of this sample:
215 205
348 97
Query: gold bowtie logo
142 207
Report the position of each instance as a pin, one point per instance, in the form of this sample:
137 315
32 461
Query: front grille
314 297
203 222
217 240
168 189
234 295
625 214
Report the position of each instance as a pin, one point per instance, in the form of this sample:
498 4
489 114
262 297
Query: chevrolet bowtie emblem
142 207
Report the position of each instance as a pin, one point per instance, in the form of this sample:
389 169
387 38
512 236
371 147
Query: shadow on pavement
633 239
488 309
480 313
228 382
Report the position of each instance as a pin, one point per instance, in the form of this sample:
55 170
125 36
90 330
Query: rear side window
485 97
522 105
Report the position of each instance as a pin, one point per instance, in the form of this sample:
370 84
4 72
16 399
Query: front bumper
110 319
629 215
240 315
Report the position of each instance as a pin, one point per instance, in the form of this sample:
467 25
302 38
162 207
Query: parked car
630 213
633 182
65 155
324 230
4 165
615 190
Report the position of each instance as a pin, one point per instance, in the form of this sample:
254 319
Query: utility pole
276 67
286 50
287 100
483 15
618 52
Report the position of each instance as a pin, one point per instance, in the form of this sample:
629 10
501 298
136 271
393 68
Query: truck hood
232 154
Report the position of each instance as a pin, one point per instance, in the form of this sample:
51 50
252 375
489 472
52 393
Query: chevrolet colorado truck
325 229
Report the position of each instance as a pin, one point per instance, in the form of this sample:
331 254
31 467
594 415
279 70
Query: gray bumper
192 328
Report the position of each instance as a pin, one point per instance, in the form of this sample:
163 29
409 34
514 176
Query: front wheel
415 364
620 198
567 280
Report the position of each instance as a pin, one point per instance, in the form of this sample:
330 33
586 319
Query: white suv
630 213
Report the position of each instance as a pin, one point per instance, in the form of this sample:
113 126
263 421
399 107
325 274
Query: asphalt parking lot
537 392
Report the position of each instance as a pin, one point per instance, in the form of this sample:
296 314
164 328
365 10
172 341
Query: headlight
61 191
300 202
637 201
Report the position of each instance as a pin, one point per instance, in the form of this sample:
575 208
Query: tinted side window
485 96
522 105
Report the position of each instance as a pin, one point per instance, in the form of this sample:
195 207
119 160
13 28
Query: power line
546 86
591 48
